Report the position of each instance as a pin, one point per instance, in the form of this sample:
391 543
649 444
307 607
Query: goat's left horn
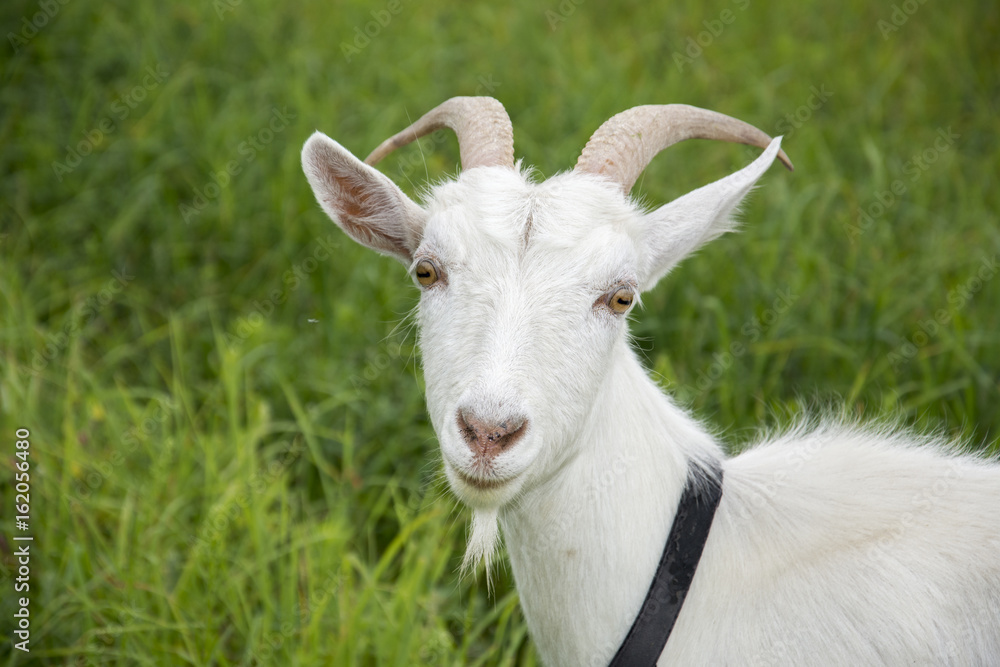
485 135
627 142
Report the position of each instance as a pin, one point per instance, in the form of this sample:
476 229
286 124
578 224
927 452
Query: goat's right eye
427 272
621 299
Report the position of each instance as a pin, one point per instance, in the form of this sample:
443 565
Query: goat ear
675 230
361 200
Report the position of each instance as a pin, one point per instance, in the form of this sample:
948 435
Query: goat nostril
488 438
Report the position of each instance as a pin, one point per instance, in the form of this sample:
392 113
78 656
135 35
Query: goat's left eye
621 299
427 272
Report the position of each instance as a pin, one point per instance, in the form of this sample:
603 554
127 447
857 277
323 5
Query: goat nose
487 438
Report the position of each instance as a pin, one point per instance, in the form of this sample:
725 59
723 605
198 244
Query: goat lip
482 484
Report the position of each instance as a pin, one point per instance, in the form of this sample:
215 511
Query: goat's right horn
485 135
627 142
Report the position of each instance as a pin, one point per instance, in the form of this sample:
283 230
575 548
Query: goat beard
483 538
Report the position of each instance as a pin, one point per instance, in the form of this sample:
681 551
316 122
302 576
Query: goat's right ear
368 206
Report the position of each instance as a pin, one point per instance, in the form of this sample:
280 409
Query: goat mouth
480 483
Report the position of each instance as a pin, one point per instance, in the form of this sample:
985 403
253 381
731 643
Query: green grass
218 480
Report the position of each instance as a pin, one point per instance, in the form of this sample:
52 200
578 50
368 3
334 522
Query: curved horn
626 143
485 135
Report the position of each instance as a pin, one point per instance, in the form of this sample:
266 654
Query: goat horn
626 143
485 135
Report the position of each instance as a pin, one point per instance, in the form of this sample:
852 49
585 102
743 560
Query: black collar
649 633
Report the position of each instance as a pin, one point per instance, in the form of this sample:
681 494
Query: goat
833 544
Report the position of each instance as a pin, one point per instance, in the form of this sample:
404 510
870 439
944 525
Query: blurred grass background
231 462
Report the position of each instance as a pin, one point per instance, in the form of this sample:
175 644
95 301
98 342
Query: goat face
526 286
527 295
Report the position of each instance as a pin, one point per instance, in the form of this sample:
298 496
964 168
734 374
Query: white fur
833 545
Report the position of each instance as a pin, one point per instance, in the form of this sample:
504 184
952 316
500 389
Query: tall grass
231 462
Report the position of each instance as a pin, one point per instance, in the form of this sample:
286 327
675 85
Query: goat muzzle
487 438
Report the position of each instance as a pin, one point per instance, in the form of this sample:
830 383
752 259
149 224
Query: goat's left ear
361 200
675 230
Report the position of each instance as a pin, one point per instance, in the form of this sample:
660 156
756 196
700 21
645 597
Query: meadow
230 462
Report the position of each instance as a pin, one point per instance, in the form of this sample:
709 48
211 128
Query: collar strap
649 633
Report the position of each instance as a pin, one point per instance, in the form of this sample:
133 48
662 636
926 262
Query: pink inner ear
363 202
345 191
351 201
359 206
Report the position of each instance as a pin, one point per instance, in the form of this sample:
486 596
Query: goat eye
621 299
427 272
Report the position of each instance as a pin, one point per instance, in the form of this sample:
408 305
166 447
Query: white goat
832 545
